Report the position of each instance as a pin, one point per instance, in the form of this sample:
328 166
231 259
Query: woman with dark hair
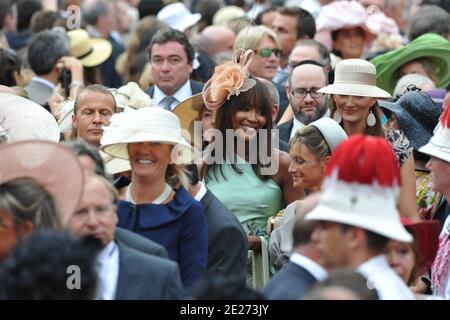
243 168
354 105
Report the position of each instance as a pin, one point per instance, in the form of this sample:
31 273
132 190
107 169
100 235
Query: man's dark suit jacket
146 277
196 87
292 282
139 243
284 130
227 241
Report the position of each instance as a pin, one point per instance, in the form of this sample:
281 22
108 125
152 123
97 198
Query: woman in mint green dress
245 171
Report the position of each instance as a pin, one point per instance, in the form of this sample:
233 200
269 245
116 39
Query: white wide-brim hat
439 144
355 77
66 110
145 125
115 165
177 16
23 119
132 96
368 207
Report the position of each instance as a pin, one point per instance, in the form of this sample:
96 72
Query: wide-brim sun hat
90 51
361 188
430 45
332 132
178 17
355 77
417 115
145 125
439 144
52 165
339 15
188 111
23 119
115 165
131 96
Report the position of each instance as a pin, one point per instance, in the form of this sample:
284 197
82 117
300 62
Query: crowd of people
225 149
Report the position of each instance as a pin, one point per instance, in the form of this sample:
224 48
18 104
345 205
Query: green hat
429 45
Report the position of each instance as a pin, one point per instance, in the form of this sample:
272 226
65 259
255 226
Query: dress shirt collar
201 193
311 266
44 81
181 94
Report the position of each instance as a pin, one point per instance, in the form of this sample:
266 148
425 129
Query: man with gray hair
429 19
44 52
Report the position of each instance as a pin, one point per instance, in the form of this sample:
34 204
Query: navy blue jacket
179 226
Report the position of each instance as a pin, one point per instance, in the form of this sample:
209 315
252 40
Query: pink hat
379 23
339 15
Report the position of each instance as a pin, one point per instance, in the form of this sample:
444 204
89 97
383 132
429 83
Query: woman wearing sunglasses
265 44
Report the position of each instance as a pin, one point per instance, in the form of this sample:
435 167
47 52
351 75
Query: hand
254 243
74 66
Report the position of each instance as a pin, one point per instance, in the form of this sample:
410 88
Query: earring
337 117
371 120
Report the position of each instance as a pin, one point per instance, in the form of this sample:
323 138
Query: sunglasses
267 52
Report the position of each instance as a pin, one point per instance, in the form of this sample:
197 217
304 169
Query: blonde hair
250 38
311 137
176 176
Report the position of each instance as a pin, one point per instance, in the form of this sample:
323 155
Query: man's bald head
220 36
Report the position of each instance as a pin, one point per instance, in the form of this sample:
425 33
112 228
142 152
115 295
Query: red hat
426 233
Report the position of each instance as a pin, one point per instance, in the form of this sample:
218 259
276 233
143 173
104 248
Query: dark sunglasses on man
267 52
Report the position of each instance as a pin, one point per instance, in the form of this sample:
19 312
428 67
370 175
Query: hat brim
431 46
390 229
352 89
189 111
101 51
52 165
431 150
120 150
414 131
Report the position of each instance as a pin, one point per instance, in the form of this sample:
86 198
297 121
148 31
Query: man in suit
307 104
304 268
227 241
171 57
44 52
123 272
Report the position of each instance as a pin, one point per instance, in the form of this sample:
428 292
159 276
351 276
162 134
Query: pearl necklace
162 197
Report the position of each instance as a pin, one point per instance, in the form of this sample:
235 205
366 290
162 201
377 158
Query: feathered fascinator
229 79
361 188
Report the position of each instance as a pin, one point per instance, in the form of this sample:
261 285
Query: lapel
207 199
285 130
128 286
150 91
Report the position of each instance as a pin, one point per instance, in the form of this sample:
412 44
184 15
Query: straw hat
91 51
114 165
439 144
177 16
361 188
429 45
23 119
52 165
417 116
132 96
188 111
355 77
331 131
145 125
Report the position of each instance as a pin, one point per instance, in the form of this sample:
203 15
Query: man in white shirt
304 268
123 272
357 213
171 57
307 104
